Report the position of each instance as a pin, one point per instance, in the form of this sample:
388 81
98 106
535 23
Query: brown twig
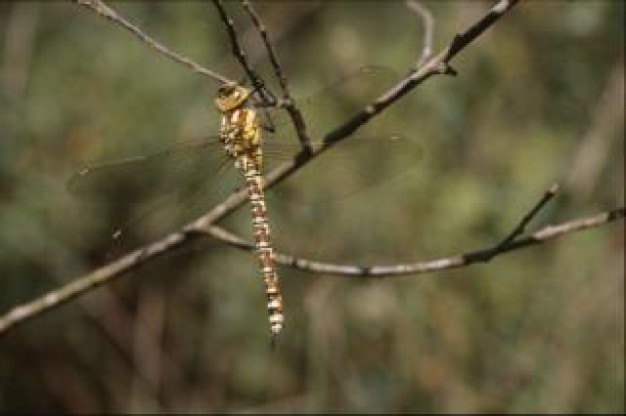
90 281
429 29
239 53
107 12
438 65
288 102
521 226
479 256
105 274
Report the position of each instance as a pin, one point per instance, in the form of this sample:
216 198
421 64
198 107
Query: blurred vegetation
539 99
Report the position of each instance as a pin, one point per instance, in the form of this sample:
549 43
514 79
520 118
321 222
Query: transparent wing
168 188
138 198
184 169
175 170
340 97
347 203
352 166
148 196
376 154
184 166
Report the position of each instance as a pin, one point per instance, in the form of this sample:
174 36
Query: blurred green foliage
538 100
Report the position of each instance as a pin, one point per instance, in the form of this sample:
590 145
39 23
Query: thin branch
547 233
238 51
438 65
282 79
107 12
480 256
382 271
520 228
90 281
288 102
105 274
429 29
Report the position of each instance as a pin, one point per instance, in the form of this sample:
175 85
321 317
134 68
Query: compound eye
225 90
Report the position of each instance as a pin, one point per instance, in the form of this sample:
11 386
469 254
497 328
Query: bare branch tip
554 189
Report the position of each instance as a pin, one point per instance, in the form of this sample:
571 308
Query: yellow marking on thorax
241 135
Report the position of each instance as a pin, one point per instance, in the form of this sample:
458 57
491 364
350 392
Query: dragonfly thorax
239 130
240 134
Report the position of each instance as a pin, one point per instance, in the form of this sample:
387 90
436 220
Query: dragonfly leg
267 124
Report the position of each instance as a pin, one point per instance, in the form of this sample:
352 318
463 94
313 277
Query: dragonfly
242 137
240 133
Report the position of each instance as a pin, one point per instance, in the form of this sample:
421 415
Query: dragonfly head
230 97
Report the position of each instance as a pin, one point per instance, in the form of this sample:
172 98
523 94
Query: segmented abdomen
240 134
265 252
